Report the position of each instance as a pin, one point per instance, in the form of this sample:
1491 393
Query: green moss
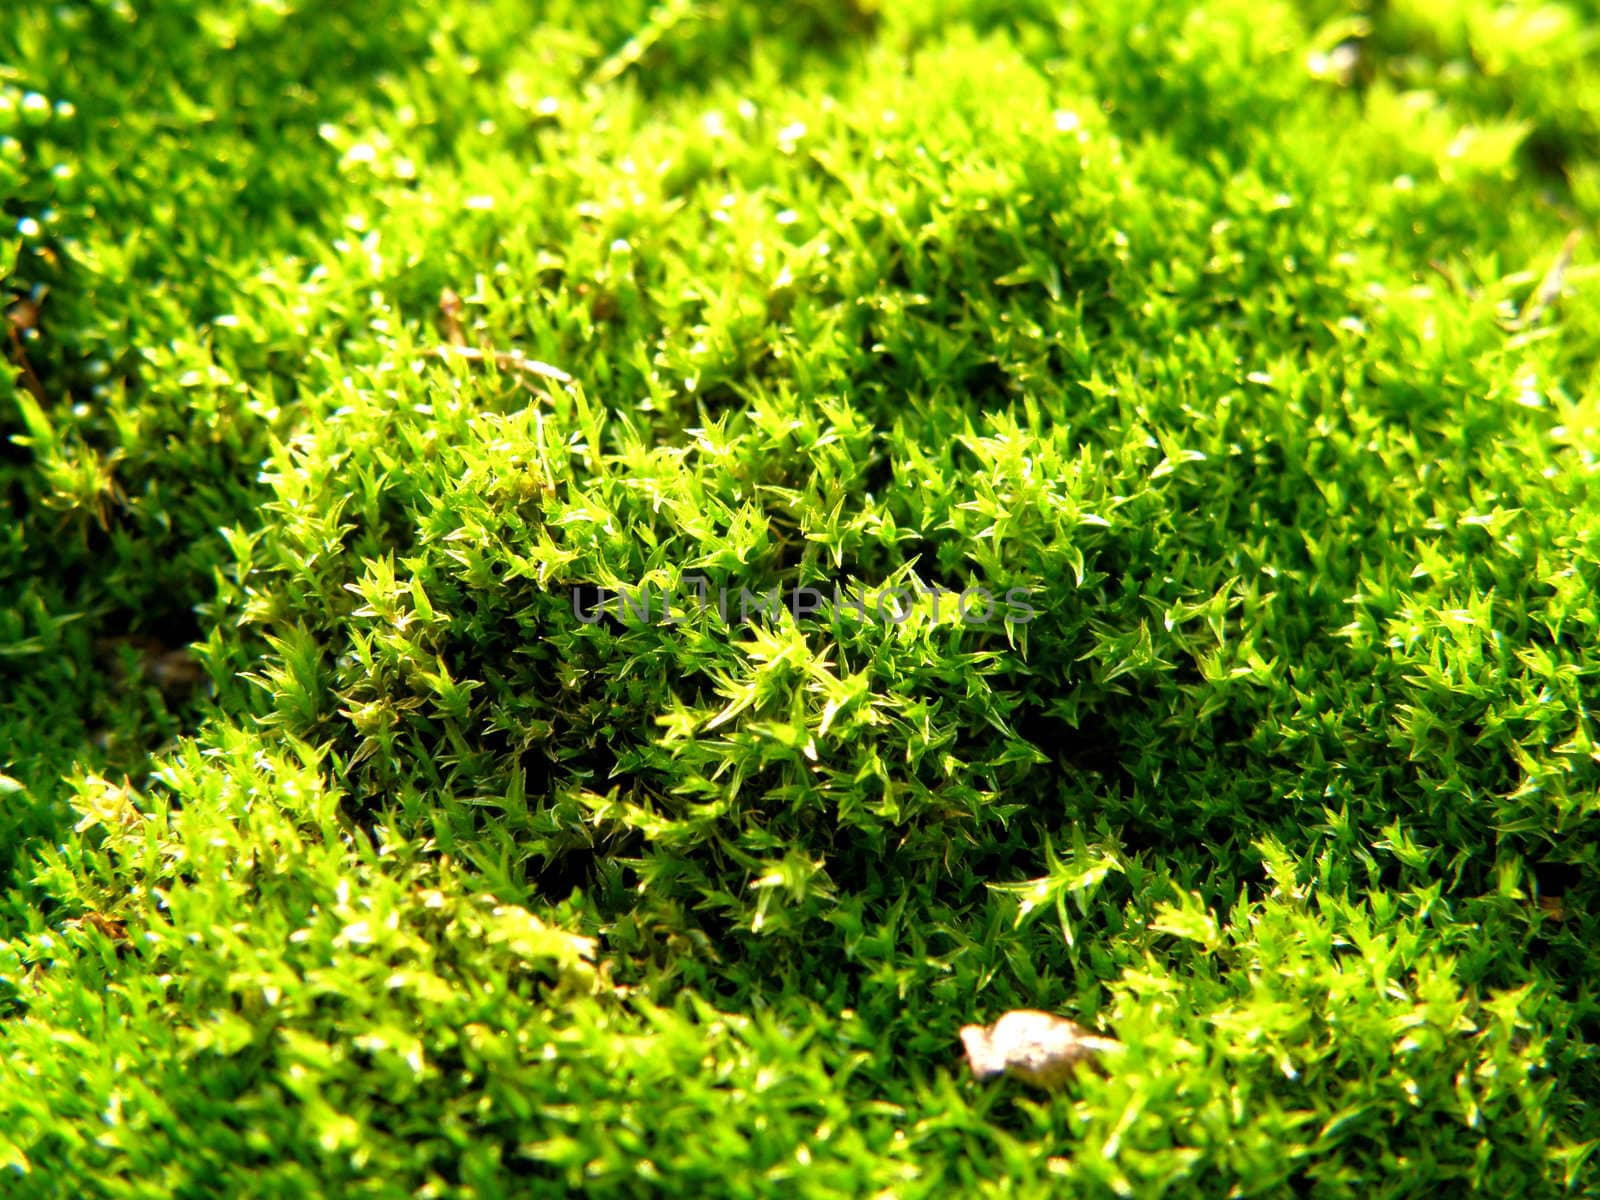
1219 329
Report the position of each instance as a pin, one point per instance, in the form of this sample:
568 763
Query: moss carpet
371 368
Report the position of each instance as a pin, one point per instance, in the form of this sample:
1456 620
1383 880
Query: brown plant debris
1037 1047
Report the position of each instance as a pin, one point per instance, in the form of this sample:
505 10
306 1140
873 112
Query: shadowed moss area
355 350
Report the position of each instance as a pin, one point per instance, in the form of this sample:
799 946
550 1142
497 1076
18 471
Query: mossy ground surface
340 858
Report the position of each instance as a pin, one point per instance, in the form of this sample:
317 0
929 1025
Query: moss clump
343 856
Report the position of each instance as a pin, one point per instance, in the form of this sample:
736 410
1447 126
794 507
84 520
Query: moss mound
1180 421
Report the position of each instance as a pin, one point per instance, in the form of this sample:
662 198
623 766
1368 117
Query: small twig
1455 284
20 318
513 360
456 346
